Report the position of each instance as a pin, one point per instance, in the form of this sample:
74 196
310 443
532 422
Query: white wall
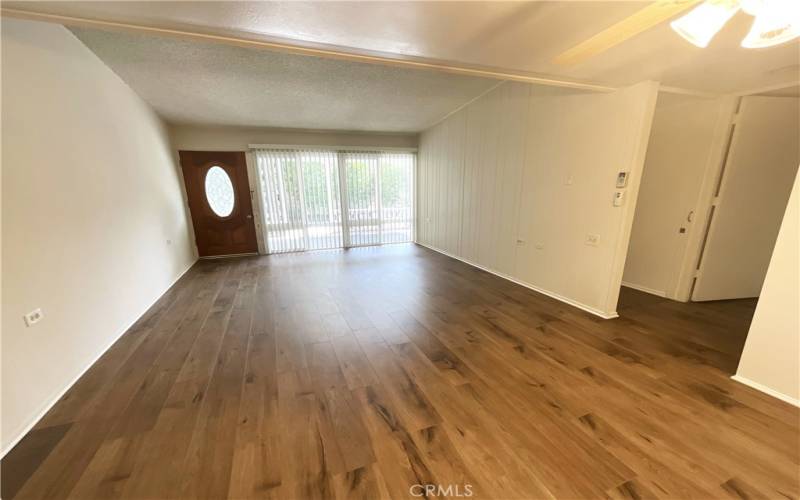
515 181
771 357
90 196
679 156
217 138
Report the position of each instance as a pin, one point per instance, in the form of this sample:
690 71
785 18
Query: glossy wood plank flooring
358 374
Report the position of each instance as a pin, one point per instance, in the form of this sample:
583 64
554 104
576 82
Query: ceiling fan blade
629 27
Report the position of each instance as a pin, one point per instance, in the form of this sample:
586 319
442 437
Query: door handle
249 216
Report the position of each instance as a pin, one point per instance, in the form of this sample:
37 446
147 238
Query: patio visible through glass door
305 192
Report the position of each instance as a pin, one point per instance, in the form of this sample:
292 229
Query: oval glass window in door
219 191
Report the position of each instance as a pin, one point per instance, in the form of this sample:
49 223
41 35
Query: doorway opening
315 199
716 183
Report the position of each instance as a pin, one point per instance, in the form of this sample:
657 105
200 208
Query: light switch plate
593 240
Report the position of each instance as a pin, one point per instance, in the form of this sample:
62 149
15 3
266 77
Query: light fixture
776 21
704 21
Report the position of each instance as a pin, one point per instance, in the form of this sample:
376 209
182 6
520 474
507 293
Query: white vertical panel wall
439 211
494 150
515 181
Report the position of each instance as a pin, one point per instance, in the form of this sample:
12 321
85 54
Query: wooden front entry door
219 199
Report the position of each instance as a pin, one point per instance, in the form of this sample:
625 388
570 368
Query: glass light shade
751 7
776 22
704 21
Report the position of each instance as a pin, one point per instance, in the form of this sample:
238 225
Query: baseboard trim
26 428
229 256
535 288
645 289
766 390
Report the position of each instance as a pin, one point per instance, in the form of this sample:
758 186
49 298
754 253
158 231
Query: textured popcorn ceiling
196 82
515 36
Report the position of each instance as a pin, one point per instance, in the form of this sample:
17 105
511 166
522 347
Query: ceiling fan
776 22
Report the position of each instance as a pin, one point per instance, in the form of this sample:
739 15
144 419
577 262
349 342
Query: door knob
249 216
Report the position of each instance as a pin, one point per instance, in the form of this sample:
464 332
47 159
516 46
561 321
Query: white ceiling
205 83
522 36
238 86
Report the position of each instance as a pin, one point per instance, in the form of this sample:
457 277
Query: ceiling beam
768 88
640 21
296 47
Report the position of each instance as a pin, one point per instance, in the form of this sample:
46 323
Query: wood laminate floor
360 373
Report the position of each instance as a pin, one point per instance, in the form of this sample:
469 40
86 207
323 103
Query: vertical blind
305 193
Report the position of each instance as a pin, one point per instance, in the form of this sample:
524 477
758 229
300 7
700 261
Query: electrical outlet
593 240
33 317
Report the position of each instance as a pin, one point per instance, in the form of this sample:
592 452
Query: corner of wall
649 95
770 361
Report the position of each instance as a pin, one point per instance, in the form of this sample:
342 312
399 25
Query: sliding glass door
305 193
362 194
396 187
300 197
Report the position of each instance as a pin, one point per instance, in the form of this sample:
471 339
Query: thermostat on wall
622 179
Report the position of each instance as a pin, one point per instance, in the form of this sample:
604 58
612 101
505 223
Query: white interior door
678 154
756 182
